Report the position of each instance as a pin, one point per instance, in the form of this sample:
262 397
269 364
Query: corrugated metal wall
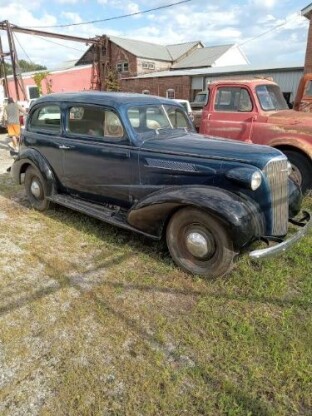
287 80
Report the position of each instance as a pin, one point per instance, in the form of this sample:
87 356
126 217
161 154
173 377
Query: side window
112 126
94 122
46 117
308 89
86 121
244 103
233 99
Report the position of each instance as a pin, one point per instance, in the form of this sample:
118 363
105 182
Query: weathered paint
303 100
274 128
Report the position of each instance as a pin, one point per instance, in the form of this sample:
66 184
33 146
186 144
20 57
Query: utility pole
18 80
3 72
101 53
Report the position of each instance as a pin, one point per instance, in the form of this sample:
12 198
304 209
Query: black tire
301 169
36 189
218 256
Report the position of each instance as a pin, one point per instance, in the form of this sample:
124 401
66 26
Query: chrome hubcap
198 244
35 189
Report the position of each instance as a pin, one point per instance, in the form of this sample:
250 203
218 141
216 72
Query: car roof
101 97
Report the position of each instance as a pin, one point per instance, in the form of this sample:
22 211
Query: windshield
201 97
148 120
271 98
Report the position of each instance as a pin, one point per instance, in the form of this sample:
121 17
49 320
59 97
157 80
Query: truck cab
255 111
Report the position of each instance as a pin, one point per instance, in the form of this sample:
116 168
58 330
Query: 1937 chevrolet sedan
136 161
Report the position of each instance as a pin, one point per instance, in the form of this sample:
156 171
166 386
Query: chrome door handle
62 146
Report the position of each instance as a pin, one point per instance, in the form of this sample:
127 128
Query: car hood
209 147
291 118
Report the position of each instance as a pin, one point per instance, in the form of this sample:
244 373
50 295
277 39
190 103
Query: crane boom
14 28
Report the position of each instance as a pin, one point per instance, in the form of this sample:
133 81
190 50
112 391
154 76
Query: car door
99 163
233 114
44 133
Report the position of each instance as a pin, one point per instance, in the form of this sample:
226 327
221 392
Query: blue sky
269 32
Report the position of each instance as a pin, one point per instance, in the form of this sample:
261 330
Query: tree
24 66
112 83
42 76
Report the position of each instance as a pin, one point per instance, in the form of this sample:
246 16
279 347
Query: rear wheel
36 189
199 243
301 169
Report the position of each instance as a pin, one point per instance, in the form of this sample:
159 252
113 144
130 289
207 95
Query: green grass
99 321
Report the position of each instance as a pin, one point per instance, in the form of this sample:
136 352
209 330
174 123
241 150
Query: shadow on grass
247 403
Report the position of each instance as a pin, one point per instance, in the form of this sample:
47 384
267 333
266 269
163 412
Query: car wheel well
301 166
285 148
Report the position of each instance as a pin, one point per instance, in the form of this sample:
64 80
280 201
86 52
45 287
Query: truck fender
292 143
31 157
242 218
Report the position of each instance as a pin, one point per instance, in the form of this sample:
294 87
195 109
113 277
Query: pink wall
61 81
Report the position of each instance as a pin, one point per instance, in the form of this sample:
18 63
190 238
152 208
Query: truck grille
276 172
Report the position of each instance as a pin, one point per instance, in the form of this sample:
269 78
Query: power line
60 44
22 48
269 30
115 17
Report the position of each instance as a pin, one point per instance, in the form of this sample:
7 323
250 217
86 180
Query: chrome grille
276 172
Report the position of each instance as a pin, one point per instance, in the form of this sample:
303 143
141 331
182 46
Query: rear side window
95 122
46 118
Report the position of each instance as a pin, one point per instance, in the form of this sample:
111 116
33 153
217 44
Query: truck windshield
150 119
271 98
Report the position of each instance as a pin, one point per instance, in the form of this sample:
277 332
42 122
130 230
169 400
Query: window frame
168 93
122 66
234 103
96 138
45 128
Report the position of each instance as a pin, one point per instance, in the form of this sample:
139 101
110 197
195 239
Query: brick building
307 12
133 59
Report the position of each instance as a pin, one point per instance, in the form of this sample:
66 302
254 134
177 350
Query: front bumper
305 223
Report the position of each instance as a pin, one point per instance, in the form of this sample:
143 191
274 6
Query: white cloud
266 4
133 8
212 24
72 17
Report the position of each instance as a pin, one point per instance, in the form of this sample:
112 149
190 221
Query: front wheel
301 169
36 189
199 243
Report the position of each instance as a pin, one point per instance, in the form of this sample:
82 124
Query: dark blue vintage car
136 161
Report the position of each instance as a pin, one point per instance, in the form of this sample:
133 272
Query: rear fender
241 217
31 157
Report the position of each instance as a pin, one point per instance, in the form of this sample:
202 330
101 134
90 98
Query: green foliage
112 83
43 76
24 66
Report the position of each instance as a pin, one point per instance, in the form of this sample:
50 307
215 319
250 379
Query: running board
111 216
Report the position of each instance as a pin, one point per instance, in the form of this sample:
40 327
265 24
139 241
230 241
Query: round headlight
256 180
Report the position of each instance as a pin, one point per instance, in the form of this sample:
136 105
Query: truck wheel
36 189
199 243
301 169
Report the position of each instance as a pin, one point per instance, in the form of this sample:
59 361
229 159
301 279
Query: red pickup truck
255 111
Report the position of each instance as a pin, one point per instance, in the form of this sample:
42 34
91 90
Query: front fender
31 157
295 143
241 216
